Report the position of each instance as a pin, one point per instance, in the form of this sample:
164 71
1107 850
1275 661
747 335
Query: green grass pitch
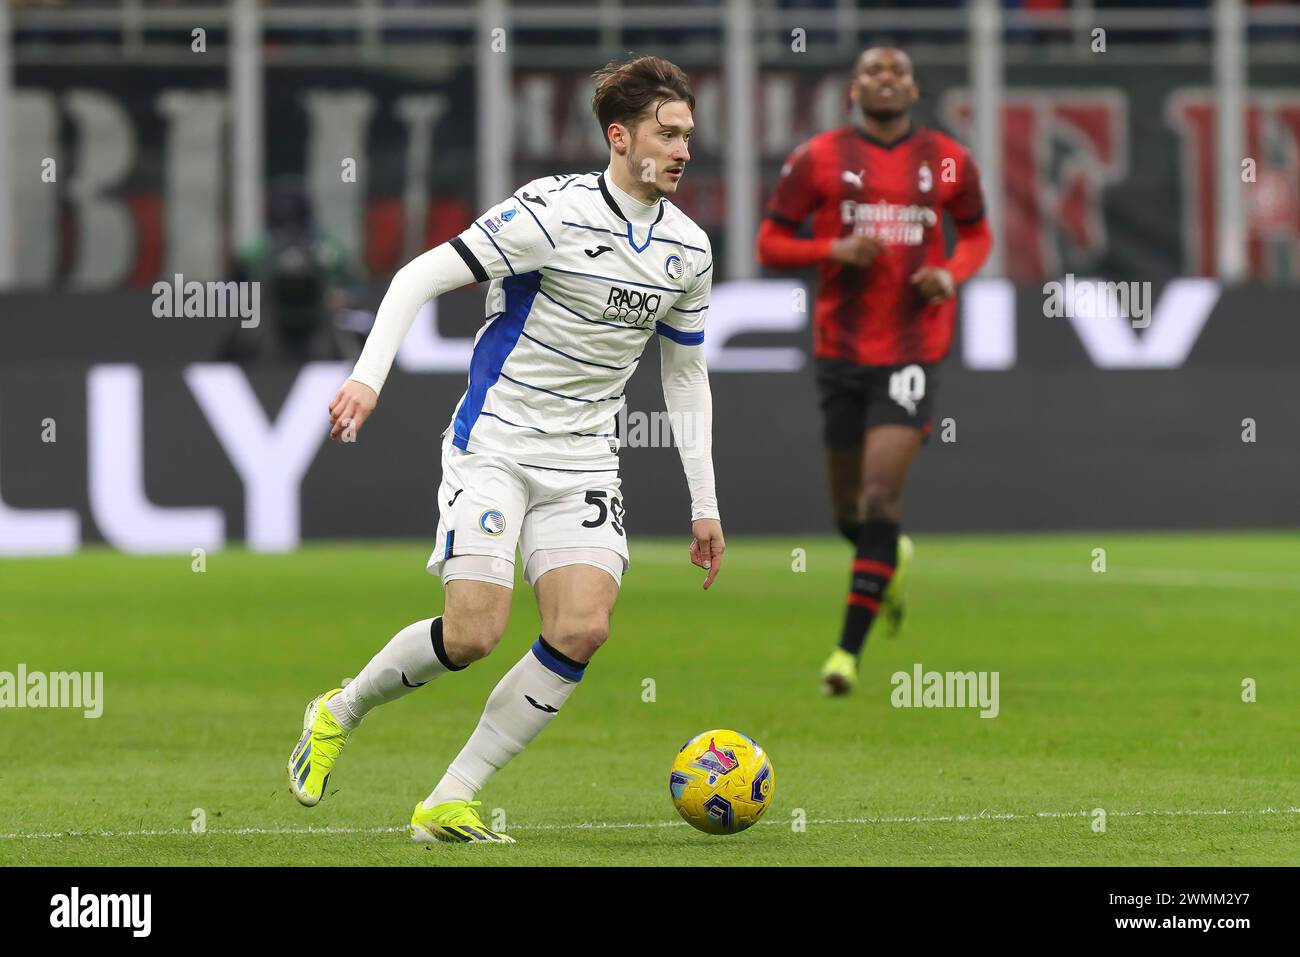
1119 690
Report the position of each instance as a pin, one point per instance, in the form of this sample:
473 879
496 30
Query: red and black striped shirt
848 181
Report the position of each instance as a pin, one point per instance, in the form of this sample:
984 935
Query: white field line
984 815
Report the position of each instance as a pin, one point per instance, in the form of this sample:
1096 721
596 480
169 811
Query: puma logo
854 178
593 253
540 707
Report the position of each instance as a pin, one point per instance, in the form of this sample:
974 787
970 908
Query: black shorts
855 398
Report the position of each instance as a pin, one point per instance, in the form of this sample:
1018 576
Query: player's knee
467 639
881 502
847 521
581 638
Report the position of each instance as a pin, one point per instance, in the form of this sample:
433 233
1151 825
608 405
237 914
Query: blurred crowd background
315 147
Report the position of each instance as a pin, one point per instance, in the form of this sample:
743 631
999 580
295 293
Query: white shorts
488 505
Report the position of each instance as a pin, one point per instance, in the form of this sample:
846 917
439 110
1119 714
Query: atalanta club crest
673 267
492 522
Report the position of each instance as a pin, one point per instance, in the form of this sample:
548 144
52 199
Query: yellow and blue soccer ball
721 782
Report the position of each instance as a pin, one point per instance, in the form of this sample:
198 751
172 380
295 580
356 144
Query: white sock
520 706
413 657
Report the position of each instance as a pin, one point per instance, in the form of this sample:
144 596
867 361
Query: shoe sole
431 835
421 835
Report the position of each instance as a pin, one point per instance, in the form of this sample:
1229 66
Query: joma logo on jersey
632 306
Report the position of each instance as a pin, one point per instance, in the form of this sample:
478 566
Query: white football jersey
578 287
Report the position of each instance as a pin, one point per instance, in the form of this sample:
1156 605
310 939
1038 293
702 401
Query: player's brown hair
626 92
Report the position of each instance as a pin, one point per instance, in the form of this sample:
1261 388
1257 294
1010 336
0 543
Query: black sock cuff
560 656
435 638
875 532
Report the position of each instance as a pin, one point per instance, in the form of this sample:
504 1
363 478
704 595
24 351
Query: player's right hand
707 547
350 408
860 251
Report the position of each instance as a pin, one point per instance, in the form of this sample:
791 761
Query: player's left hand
707 547
934 283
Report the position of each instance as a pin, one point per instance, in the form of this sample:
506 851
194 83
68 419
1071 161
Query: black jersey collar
604 191
885 145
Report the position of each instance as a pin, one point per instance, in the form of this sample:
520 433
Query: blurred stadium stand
1124 165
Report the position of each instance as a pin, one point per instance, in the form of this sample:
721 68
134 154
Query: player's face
883 86
659 148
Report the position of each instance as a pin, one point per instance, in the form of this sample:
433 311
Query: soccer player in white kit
583 269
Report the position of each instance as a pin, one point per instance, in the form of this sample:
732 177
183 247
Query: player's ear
618 137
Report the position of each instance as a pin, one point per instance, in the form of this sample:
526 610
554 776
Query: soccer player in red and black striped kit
877 190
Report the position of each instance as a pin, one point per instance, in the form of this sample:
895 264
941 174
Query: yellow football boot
840 673
314 755
453 821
